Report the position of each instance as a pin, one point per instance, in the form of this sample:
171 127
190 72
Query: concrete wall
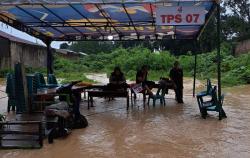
242 47
29 55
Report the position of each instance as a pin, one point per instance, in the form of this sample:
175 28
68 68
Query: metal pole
49 58
195 67
218 52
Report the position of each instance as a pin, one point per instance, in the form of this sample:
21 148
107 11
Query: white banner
180 15
137 88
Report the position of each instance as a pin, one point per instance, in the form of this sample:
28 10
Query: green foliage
4 72
70 69
92 47
33 70
131 59
71 76
238 22
235 70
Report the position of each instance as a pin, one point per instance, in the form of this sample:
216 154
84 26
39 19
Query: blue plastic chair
207 91
52 81
160 95
40 81
212 105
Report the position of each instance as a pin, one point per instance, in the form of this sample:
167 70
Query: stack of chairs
52 81
207 92
41 83
21 89
10 90
37 83
214 104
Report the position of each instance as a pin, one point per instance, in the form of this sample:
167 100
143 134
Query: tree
240 8
92 47
239 19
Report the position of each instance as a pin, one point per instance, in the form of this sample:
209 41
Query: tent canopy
71 20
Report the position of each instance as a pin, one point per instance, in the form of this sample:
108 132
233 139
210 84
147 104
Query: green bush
4 72
235 70
70 69
33 70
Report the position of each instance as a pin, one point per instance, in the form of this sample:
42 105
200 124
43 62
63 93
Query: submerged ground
175 130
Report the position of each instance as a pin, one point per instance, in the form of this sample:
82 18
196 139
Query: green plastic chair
160 95
40 81
10 90
207 91
52 81
212 105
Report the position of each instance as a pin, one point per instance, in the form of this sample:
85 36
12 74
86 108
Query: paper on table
137 88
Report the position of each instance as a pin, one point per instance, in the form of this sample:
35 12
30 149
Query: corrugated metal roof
17 39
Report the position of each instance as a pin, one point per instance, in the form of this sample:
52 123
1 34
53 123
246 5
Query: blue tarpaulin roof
97 19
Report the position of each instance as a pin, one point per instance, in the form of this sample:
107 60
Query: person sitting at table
117 79
176 75
141 77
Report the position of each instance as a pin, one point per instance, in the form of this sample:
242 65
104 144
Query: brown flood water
175 130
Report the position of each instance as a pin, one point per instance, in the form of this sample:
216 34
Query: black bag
80 122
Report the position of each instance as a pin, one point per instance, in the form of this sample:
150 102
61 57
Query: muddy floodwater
176 130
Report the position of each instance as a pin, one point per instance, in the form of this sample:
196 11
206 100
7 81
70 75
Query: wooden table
107 93
83 89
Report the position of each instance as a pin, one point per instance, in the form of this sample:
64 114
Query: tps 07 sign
180 15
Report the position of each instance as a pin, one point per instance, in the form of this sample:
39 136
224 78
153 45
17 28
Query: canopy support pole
195 67
218 52
49 58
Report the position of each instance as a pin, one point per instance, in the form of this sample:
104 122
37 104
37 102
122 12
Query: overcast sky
17 33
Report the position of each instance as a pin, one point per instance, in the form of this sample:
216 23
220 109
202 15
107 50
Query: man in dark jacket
176 75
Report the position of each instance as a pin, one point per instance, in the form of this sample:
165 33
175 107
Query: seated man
141 77
117 79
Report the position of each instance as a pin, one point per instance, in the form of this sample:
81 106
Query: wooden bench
108 94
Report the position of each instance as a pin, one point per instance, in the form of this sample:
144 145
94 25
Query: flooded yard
174 130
